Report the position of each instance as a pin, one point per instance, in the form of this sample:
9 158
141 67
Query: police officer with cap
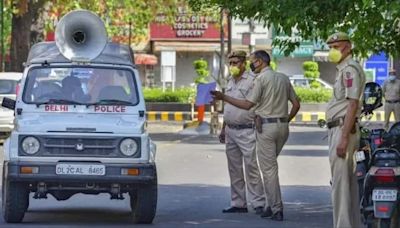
391 91
239 136
342 114
270 96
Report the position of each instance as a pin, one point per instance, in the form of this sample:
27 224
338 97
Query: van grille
78 146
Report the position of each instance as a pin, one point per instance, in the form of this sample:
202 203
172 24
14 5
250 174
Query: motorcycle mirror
321 123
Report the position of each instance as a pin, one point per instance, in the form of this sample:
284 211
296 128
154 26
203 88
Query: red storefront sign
187 27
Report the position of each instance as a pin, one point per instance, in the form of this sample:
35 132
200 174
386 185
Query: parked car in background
301 81
8 88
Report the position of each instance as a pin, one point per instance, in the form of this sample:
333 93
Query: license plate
384 195
360 156
80 169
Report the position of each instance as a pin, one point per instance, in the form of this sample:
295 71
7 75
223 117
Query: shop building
177 46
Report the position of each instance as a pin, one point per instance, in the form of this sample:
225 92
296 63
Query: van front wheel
144 203
15 201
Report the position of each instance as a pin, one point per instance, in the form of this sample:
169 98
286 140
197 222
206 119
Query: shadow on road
182 206
166 137
305 153
310 137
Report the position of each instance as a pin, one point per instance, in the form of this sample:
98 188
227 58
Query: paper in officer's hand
203 93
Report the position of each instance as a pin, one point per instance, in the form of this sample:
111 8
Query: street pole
229 33
222 51
214 121
251 30
2 35
130 32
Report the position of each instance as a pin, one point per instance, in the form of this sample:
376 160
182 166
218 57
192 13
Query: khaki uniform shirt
271 93
349 84
391 90
238 90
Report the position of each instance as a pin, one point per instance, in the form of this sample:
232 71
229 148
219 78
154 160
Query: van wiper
110 101
59 101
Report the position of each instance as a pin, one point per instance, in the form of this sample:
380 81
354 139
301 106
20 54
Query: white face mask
392 77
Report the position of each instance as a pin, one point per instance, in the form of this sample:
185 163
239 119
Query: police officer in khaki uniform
270 96
391 91
342 113
239 136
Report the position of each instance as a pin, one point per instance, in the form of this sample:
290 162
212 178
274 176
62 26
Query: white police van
80 124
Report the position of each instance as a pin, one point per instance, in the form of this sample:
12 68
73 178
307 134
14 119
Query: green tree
374 24
6 28
311 72
30 18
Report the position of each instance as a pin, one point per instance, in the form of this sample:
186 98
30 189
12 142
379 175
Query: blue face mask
392 77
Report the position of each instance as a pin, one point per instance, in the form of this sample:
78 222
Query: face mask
235 71
392 77
334 55
252 67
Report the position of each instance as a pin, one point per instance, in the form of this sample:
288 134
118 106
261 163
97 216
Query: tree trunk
24 32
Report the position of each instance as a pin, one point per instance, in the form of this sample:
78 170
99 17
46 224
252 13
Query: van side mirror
8 103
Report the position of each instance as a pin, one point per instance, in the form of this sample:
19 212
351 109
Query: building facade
177 46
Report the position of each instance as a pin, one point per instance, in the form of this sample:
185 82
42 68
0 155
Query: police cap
238 54
338 36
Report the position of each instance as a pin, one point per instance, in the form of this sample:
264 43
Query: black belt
275 120
334 123
337 122
240 126
393 101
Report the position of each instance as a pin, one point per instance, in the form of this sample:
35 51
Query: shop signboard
380 64
305 49
301 51
187 26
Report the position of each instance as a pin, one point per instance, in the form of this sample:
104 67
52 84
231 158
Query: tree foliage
373 24
201 68
117 15
311 72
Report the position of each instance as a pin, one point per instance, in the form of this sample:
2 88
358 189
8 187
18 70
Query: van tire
144 203
15 201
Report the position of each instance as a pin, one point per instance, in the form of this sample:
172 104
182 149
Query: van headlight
128 147
30 145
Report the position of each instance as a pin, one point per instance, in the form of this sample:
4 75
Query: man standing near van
239 135
342 113
270 96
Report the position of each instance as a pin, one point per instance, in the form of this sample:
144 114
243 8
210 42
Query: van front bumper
47 173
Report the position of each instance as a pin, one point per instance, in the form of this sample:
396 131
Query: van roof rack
113 53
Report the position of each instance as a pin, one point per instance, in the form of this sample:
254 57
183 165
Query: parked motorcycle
370 139
381 199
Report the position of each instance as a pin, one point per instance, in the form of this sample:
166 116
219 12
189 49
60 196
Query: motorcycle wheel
384 223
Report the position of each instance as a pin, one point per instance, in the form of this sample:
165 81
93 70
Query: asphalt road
194 188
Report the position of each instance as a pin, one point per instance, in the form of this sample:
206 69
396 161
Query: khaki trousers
389 108
345 201
240 148
269 145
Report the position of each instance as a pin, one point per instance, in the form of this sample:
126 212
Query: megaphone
80 35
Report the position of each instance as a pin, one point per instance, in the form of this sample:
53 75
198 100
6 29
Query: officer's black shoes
267 213
259 210
278 216
235 210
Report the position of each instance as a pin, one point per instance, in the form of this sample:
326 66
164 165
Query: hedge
186 94
181 95
308 95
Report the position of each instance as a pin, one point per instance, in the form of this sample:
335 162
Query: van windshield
84 86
